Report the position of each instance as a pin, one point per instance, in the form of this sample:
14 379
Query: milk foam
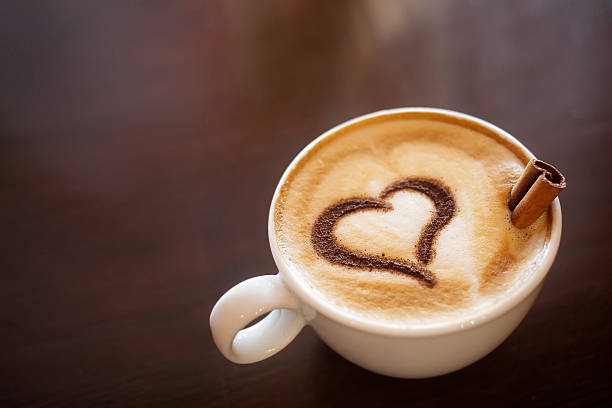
479 256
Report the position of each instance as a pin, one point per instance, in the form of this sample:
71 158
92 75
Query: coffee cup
415 349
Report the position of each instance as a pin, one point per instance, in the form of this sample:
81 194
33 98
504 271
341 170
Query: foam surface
479 256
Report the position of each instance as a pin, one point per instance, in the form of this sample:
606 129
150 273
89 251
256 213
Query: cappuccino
403 219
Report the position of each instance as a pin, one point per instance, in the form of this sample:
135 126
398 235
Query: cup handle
244 303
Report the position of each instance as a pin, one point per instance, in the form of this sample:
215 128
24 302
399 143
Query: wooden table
141 142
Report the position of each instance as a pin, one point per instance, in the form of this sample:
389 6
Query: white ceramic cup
412 352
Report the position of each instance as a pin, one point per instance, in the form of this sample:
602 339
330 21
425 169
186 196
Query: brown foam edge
436 116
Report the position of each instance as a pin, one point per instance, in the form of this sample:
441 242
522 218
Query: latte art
326 245
403 219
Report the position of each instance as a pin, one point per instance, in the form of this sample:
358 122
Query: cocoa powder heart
326 245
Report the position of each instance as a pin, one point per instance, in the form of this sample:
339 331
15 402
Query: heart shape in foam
327 246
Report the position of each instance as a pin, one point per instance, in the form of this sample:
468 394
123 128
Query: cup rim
310 298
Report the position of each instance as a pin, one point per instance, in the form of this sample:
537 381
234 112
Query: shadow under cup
398 351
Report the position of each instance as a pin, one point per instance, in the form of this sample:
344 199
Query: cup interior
314 301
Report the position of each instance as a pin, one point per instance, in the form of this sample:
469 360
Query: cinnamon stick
535 189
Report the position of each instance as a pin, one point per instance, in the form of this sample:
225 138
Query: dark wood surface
141 142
